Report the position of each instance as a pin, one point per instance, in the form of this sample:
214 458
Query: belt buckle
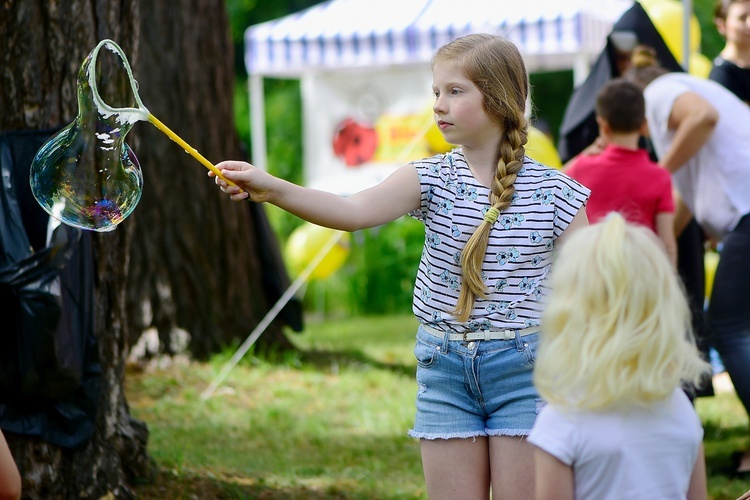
465 334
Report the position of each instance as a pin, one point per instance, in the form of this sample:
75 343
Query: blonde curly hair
617 327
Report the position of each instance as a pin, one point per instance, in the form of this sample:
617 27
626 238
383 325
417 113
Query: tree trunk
195 259
44 46
187 253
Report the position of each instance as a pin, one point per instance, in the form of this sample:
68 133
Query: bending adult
701 134
732 67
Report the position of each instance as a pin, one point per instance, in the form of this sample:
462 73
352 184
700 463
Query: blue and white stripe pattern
520 248
376 33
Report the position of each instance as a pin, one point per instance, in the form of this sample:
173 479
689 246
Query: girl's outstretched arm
395 196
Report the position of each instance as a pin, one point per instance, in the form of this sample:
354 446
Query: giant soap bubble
86 175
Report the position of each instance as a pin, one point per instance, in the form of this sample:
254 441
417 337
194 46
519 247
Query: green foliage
327 421
548 107
377 278
380 273
711 41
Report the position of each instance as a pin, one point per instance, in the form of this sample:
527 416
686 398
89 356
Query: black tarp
49 371
579 129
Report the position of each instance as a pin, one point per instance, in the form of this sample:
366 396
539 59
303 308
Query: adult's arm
693 120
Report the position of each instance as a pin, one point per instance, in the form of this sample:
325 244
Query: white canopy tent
359 53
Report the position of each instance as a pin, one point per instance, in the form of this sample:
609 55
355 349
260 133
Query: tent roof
342 34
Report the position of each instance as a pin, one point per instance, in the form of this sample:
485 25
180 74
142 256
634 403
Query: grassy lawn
328 421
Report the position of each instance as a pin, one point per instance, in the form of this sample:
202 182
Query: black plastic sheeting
49 371
579 128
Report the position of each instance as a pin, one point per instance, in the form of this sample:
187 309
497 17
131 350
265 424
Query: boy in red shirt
622 178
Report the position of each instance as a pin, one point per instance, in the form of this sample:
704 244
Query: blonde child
615 350
492 219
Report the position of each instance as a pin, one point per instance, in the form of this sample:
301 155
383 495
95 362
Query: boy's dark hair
621 103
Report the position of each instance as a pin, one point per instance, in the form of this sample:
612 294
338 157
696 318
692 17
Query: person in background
10 479
493 218
732 67
622 178
616 347
701 132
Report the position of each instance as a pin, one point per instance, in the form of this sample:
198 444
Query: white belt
508 334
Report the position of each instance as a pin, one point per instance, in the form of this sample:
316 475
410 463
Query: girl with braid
492 219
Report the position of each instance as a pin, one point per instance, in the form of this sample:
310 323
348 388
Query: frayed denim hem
450 435
508 432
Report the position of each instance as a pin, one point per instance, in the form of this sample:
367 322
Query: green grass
327 421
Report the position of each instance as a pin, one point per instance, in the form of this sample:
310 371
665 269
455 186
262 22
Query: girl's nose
438 107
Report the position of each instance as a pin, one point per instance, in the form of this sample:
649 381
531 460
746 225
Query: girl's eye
455 91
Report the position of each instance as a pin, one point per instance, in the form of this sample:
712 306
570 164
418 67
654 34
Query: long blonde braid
496 67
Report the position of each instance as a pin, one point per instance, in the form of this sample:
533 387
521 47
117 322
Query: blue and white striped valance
339 34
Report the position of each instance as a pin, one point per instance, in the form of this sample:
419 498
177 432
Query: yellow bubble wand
141 113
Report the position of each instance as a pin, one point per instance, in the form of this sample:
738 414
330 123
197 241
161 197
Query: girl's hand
252 182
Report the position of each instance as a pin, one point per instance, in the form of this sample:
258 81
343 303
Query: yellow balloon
710 261
647 4
700 65
307 240
667 17
540 148
436 142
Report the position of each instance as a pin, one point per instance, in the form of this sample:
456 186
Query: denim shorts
479 388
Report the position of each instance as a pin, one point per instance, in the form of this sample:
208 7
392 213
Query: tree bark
195 256
186 253
44 46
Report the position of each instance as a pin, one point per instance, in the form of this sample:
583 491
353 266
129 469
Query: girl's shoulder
442 166
534 172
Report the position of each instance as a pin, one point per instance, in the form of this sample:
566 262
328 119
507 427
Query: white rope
250 340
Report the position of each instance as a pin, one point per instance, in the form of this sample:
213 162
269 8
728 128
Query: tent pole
687 8
581 68
258 122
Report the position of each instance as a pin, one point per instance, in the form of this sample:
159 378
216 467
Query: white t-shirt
644 453
715 183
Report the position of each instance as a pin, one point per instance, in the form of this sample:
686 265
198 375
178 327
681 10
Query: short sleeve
555 434
571 197
429 171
